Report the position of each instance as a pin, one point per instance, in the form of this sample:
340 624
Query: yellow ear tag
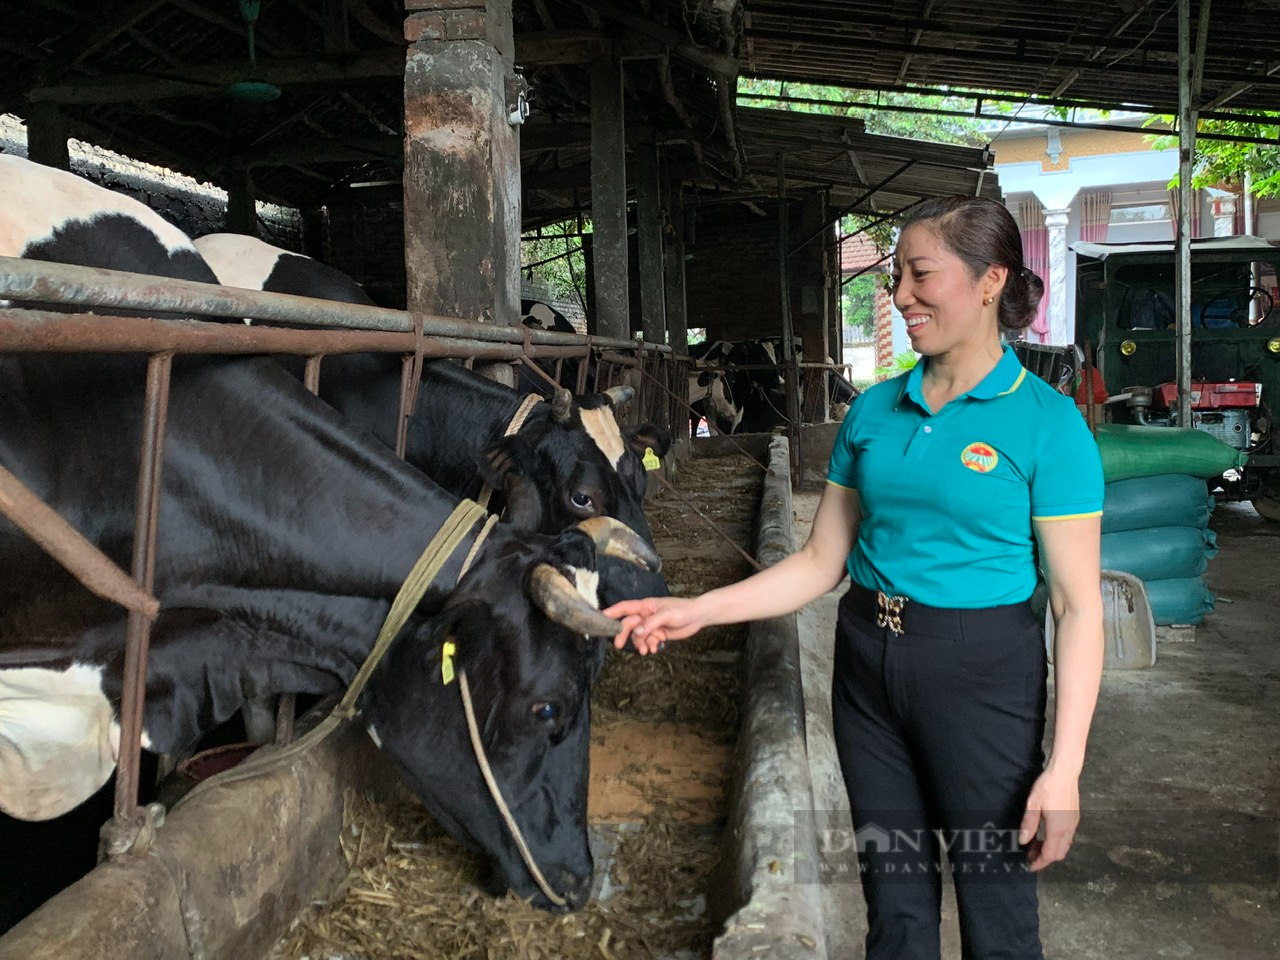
651 461
446 662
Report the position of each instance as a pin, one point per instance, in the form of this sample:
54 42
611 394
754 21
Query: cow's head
584 464
525 629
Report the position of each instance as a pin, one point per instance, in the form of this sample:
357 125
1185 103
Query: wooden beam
319 150
543 48
337 40
677 42
305 71
609 200
581 175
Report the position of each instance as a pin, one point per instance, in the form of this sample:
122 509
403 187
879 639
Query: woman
940 485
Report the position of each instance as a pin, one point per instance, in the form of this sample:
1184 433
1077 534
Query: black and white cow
581 461
543 316
285 531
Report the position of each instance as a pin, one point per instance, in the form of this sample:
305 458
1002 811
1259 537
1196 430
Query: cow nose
575 889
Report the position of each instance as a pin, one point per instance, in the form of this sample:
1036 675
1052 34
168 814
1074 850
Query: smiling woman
941 482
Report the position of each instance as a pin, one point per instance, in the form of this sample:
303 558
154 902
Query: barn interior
634 132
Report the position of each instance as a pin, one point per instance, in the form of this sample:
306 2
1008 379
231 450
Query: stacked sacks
1155 519
1157 528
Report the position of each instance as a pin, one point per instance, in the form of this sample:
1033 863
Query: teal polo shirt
948 498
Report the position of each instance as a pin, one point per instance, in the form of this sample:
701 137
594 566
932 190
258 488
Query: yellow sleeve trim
1070 516
842 486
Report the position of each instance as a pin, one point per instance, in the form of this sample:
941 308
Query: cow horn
563 604
614 538
620 396
561 403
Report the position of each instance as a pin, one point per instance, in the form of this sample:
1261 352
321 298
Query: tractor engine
1230 411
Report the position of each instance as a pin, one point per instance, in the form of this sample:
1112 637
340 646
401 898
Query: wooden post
649 241
462 165
242 206
673 270
47 136
809 264
609 199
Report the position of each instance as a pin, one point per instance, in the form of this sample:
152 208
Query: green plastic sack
1131 451
1184 600
1159 553
1172 499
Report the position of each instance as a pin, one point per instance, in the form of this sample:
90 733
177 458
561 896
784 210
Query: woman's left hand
1054 803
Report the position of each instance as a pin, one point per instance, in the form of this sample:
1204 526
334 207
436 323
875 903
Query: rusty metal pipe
65 544
40 282
45 331
146 521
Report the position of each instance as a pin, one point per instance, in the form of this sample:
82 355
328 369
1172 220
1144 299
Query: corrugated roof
1108 52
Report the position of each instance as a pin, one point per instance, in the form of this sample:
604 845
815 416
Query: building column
242 203
1061 327
47 136
673 269
884 327
609 201
810 308
653 314
1224 215
462 164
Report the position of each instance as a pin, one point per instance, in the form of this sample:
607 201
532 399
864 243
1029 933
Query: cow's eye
581 500
548 711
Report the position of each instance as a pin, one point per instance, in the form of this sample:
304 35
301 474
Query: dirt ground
1177 852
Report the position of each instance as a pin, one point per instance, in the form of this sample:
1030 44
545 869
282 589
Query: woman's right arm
807 574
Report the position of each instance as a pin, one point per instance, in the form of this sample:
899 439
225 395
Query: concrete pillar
1224 215
47 136
1061 326
242 203
653 314
673 270
462 164
609 200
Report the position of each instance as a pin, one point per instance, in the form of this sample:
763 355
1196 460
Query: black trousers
939 733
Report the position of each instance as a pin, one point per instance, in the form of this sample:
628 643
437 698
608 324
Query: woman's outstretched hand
652 621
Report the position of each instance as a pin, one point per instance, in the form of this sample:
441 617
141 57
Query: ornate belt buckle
889 612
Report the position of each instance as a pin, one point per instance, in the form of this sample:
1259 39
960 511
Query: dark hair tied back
983 234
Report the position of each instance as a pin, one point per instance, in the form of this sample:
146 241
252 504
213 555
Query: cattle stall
325 780
27 331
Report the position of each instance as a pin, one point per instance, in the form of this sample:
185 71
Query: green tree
858 303
555 261
1224 162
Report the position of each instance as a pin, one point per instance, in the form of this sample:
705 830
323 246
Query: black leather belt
901 615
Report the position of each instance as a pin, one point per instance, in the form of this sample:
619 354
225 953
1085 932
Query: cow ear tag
446 662
651 461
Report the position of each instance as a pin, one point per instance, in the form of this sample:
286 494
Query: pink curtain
1095 215
1035 252
1195 213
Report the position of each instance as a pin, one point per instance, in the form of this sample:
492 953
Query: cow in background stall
285 531
582 462
542 316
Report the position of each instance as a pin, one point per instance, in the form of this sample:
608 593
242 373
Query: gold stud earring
988 301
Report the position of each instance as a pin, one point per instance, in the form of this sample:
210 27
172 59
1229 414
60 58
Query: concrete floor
1177 853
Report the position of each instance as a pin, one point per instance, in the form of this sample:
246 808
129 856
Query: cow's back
242 261
56 216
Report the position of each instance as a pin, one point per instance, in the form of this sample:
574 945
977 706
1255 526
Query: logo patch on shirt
979 456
